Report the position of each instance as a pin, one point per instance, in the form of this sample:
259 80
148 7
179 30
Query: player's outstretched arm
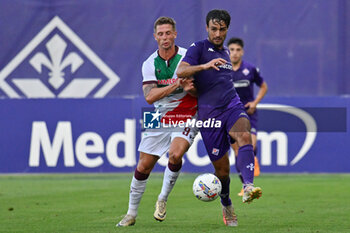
186 70
153 93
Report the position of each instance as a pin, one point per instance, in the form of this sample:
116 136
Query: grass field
96 202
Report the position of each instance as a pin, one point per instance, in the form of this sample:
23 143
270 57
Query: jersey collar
176 51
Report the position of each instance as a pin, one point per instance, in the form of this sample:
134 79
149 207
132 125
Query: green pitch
96 202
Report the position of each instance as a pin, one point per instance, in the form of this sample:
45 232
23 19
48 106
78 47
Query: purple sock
239 172
245 163
256 151
236 165
225 191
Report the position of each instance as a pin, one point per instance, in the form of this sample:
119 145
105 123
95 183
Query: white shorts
158 143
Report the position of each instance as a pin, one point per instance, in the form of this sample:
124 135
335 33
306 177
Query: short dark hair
164 20
219 15
236 40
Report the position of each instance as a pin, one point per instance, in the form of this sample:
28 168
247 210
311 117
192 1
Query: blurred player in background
208 61
245 76
161 87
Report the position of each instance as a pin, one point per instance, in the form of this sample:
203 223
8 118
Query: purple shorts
217 141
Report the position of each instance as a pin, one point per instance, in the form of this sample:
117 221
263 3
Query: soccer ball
207 187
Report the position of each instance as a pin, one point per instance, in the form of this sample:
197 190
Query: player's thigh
222 166
182 139
177 149
146 162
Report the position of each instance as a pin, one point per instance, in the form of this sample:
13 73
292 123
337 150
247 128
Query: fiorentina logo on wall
56 63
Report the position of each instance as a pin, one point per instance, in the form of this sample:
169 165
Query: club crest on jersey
215 151
245 71
158 71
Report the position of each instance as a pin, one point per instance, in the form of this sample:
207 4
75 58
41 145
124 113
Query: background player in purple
209 63
245 76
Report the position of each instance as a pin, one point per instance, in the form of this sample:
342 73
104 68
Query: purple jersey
215 88
244 79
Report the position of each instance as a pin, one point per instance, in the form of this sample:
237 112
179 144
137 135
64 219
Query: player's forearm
156 94
261 93
185 70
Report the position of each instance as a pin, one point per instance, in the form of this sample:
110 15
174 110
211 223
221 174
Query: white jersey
179 105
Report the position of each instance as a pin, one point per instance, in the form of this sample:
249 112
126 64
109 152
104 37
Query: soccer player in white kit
162 88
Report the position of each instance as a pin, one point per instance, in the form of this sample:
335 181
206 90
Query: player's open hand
213 64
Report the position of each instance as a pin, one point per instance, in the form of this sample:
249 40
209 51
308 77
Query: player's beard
218 44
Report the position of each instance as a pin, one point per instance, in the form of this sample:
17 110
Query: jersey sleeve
148 73
193 54
257 77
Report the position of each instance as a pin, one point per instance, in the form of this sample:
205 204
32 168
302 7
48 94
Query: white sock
169 180
137 188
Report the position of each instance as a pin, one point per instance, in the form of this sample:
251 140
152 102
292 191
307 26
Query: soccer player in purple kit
245 76
209 63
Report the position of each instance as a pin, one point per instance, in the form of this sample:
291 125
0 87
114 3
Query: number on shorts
186 131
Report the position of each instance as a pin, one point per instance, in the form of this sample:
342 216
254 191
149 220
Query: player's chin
166 46
218 43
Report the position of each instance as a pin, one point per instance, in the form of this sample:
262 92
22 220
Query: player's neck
235 66
167 54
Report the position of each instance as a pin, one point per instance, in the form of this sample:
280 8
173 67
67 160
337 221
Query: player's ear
175 34
206 27
154 35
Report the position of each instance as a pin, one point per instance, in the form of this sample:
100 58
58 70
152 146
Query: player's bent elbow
149 100
180 71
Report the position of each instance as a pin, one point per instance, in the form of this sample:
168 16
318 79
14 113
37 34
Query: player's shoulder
182 51
150 60
151 57
198 44
249 65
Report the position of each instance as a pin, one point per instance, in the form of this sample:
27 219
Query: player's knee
175 157
222 171
144 168
244 138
